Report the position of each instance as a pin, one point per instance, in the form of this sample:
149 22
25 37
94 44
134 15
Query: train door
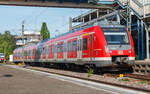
65 50
34 49
69 49
55 52
74 52
62 50
91 44
47 51
41 55
87 46
44 53
79 45
28 54
58 50
31 53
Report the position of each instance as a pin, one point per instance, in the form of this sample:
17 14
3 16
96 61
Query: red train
2 57
108 47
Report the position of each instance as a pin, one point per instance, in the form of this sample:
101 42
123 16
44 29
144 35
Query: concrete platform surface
15 81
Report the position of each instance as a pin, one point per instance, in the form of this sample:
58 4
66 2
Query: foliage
145 82
7 44
44 31
90 72
124 79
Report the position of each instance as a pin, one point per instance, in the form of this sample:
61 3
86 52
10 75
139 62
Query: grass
90 72
145 82
124 79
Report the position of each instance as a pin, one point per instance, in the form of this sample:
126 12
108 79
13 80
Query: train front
120 47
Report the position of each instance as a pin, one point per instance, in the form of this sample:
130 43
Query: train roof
102 24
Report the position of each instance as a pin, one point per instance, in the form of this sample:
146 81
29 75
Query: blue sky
11 18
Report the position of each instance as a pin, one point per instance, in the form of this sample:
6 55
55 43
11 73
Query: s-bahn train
108 47
2 57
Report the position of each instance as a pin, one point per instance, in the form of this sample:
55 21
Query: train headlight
106 49
110 51
130 51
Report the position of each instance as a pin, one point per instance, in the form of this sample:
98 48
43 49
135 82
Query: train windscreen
117 36
2 55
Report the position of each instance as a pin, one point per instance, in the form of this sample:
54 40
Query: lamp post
128 16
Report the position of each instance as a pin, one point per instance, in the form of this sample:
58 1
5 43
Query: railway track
135 76
100 81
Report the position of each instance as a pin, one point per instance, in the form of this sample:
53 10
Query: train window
69 46
85 44
74 45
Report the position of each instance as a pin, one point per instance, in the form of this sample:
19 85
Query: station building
29 38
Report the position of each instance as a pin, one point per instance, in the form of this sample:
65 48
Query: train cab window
69 46
74 45
85 43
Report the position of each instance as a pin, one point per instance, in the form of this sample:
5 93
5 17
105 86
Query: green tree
44 31
7 44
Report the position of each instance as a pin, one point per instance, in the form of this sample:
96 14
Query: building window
74 45
85 44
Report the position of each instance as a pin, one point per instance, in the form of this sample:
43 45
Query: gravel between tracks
123 81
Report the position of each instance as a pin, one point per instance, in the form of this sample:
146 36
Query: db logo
120 52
